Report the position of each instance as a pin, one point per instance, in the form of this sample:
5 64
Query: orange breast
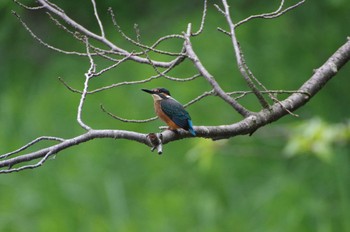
164 117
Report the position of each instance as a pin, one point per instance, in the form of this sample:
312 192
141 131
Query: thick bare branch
47 152
247 126
14 161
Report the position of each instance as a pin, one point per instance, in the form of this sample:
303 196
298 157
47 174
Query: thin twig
204 14
219 9
60 13
224 31
177 61
265 15
271 15
136 43
239 56
122 83
126 120
163 74
81 103
68 86
203 95
113 66
30 166
109 86
98 51
98 19
166 37
28 7
42 42
217 88
31 144
88 75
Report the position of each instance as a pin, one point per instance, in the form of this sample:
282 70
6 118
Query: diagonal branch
219 91
60 13
239 56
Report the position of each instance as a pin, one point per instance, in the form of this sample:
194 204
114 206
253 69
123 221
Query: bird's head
158 93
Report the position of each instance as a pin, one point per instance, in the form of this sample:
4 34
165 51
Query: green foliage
317 137
241 184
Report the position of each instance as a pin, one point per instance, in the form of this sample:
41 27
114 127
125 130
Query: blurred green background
292 175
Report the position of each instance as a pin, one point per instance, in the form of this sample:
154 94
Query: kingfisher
170 111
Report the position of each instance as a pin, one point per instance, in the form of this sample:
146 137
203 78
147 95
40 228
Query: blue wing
177 113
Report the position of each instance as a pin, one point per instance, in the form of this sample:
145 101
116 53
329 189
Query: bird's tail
190 128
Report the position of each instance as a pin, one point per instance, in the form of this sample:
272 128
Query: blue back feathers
177 113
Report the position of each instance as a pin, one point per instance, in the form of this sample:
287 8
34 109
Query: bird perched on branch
170 111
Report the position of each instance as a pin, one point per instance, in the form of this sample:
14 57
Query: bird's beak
148 91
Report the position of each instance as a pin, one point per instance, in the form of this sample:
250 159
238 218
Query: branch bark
218 90
247 126
101 38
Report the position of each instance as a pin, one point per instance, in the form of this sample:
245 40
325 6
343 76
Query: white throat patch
156 97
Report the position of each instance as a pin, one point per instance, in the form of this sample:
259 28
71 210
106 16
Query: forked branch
17 161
